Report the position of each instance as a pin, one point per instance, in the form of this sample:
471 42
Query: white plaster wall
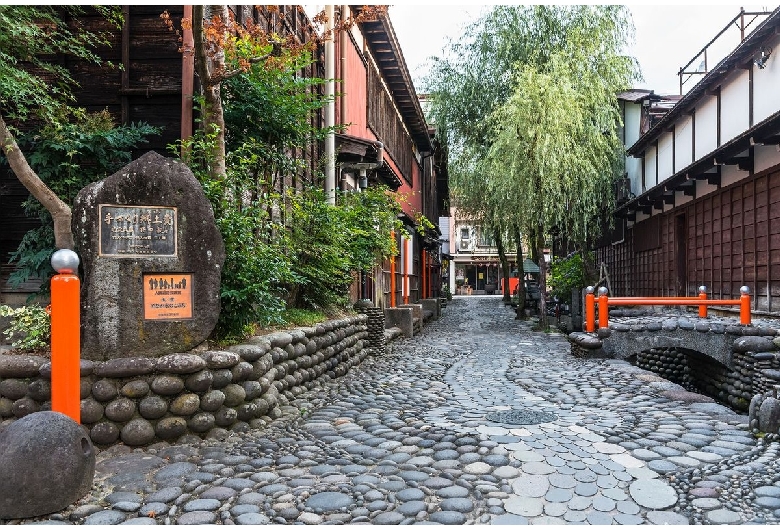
634 170
704 188
765 156
730 174
734 106
681 198
651 179
683 142
632 124
765 86
706 126
665 167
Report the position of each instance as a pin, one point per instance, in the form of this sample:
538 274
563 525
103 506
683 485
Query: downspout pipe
343 69
330 111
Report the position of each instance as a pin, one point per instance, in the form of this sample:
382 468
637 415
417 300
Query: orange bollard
744 305
703 296
603 308
590 310
66 336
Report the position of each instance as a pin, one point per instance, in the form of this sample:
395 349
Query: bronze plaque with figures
167 296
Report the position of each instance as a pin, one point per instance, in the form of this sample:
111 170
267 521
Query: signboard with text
167 296
137 231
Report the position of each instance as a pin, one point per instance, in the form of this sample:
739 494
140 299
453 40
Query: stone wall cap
126 367
216 359
180 363
21 365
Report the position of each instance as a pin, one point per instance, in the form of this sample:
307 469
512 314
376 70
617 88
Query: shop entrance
481 274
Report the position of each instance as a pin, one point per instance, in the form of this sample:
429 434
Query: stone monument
152 260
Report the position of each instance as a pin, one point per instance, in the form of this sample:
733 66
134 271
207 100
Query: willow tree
556 149
541 139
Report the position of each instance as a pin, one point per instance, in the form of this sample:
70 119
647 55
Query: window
464 233
486 240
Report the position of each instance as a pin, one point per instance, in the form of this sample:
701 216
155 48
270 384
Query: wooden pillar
187 76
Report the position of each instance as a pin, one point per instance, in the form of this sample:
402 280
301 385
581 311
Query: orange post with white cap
66 335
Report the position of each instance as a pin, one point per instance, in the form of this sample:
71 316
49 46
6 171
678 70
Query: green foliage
256 266
303 317
31 83
566 274
286 249
67 157
331 242
30 327
536 148
446 293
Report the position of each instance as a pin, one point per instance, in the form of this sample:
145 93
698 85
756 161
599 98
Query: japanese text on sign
167 296
137 231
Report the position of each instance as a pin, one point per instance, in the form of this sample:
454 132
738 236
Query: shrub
30 327
566 274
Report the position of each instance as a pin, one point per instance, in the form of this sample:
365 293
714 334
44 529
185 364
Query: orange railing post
392 273
703 296
405 288
744 305
65 335
603 308
424 274
590 310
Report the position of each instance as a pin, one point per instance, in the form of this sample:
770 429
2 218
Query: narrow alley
476 420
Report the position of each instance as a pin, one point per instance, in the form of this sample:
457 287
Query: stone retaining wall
142 400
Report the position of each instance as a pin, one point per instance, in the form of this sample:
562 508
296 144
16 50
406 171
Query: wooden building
701 203
377 102
379 105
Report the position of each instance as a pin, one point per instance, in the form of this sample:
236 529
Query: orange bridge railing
604 301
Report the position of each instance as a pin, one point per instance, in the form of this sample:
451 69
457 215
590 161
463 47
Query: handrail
701 301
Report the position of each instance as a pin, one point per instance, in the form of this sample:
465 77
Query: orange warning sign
167 296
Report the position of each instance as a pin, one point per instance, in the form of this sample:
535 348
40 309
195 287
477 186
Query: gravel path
476 420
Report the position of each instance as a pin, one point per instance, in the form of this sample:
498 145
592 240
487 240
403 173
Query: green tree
67 157
542 143
32 86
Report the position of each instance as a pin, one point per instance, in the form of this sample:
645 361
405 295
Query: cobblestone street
476 420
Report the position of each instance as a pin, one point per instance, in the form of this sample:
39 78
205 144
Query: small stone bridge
716 356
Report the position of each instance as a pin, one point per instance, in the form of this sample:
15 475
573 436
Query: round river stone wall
142 400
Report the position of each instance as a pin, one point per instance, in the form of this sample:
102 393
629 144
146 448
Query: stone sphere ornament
46 463
65 261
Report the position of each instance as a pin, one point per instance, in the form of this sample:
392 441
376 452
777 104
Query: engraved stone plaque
137 231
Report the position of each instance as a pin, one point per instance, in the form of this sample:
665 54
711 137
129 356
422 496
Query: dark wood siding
734 240
383 119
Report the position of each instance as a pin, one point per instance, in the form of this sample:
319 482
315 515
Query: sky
666 37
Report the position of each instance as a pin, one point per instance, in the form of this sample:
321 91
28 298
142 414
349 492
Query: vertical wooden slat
754 289
768 246
125 64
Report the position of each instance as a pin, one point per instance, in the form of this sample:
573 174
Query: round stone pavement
411 437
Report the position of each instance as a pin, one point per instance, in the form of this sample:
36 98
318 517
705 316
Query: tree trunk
539 244
504 266
60 212
521 284
209 69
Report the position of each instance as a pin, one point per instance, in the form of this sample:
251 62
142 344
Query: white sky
667 37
